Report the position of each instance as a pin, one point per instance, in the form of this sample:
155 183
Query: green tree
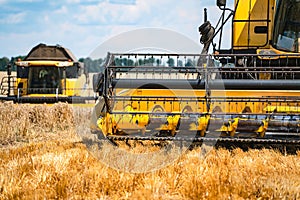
180 63
158 62
189 63
92 66
3 63
171 62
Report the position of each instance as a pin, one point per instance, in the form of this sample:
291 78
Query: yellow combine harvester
248 93
47 74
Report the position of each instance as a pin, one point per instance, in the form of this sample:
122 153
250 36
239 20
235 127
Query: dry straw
20 123
41 158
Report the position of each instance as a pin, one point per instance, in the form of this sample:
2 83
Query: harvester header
149 96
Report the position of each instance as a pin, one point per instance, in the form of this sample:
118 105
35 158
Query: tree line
96 65
154 62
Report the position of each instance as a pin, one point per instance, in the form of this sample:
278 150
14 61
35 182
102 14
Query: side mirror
221 3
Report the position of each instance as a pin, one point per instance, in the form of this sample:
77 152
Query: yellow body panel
243 32
44 63
74 86
19 81
179 106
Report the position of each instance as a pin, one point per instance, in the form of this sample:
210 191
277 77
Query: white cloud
63 10
107 13
28 1
73 1
46 18
125 2
82 1
13 18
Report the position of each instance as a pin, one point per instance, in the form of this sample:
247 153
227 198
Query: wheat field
43 157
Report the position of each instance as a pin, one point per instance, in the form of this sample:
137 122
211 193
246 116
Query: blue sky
82 25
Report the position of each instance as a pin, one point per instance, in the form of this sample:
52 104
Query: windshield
286 35
43 80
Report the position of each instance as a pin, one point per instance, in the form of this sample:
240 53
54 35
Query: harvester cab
248 93
259 27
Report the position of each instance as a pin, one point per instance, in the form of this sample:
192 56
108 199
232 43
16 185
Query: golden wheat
19 123
42 158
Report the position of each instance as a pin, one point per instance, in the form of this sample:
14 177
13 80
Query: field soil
43 156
